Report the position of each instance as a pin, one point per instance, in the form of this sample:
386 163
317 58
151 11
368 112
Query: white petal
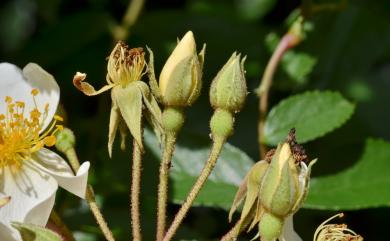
58 168
6 233
32 192
302 178
18 84
288 233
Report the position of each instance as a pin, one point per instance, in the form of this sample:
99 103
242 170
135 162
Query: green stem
165 165
209 166
122 31
289 40
89 196
135 192
58 223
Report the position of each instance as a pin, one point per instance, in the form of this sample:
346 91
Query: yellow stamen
20 135
34 92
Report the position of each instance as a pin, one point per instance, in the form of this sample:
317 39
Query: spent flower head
30 172
129 94
335 232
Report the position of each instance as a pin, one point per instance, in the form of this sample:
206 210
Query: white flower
288 232
30 173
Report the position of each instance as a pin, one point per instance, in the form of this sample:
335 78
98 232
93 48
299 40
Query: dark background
351 45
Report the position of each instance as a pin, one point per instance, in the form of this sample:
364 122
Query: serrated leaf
312 113
189 158
364 185
30 232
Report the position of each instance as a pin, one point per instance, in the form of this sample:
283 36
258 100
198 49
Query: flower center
125 65
21 136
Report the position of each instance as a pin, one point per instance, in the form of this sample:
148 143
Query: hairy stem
209 166
165 165
90 197
63 228
135 192
289 40
232 233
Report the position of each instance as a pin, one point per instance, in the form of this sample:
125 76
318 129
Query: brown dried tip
269 155
78 78
126 55
298 151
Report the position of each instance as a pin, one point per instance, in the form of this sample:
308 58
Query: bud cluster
276 189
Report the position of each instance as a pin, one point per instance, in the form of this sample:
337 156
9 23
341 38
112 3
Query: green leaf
254 9
312 113
30 232
298 65
364 185
189 158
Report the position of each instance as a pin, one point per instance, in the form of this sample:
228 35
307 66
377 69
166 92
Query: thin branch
90 197
122 31
135 192
209 166
288 41
169 148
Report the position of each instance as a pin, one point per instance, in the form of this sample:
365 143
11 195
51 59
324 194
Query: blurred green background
347 49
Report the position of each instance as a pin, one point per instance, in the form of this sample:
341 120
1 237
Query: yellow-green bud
285 183
221 123
270 227
228 89
65 140
180 79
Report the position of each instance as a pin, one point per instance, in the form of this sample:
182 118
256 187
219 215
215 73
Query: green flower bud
228 89
65 140
180 79
285 183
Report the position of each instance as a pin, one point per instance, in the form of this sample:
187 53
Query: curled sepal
239 197
201 57
85 87
304 183
30 232
153 114
115 117
152 77
129 102
255 177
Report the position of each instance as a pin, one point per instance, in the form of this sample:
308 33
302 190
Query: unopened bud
228 89
285 183
181 77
